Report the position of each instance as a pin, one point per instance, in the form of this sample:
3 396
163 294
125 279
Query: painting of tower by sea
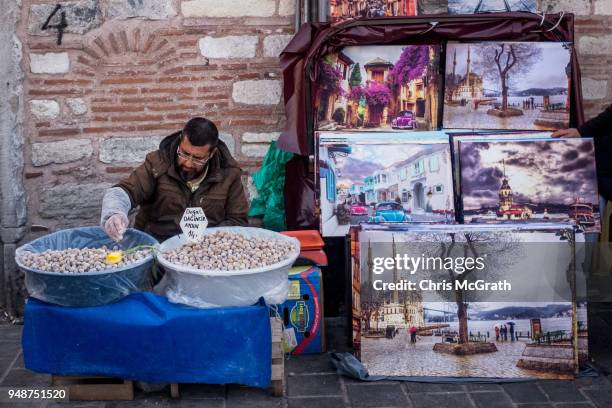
490 6
511 85
379 88
526 180
427 325
345 9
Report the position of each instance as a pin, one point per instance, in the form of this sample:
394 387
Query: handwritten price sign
193 223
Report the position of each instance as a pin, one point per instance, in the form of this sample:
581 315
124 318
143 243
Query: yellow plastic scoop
114 257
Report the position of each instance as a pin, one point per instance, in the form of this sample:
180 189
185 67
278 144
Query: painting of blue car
389 211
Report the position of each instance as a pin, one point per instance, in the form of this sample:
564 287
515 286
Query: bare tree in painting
501 250
504 61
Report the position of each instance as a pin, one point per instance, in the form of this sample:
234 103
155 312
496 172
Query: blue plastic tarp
146 338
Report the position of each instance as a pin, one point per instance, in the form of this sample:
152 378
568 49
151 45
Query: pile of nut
73 260
228 251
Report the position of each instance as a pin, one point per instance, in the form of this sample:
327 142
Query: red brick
82 82
43 124
251 75
59 132
83 72
109 129
168 53
161 126
183 116
117 108
148 43
124 40
57 92
101 46
161 45
91 53
188 55
33 174
137 118
98 100
149 99
125 91
177 106
113 44
200 67
128 80
166 90
233 66
188 43
174 70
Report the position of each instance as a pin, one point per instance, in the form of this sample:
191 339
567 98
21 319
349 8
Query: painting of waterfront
527 180
513 85
489 6
382 88
383 178
345 9
527 332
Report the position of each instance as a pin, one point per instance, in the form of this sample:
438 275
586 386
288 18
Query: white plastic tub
216 288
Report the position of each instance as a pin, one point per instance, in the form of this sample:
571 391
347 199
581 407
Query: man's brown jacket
159 190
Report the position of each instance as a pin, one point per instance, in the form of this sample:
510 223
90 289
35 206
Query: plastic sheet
269 181
91 288
145 338
215 288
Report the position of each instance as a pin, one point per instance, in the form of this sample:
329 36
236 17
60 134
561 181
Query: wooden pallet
91 388
278 362
278 358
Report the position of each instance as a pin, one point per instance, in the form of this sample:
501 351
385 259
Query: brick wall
130 72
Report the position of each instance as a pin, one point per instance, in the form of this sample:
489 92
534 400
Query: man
600 128
191 168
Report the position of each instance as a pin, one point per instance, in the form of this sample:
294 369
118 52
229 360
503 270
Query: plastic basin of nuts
233 266
91 288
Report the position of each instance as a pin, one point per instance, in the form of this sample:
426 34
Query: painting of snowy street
344 9
529 180
382 88
489 6
513 85
383 178
448 333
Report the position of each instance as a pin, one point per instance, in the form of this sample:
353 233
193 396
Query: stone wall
79 116
128 73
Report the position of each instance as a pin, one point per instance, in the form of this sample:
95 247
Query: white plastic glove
115 226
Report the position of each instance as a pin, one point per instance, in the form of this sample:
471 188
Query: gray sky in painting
469 6
545 172
549 72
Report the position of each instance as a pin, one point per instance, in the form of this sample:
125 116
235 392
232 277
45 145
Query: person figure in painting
413 334
600 129
511 332
496 333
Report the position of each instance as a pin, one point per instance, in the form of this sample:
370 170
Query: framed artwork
507 85
383 178
527 180
379 88
345 9
436 329
488 6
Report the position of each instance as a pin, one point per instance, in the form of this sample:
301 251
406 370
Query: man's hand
572 132
115 226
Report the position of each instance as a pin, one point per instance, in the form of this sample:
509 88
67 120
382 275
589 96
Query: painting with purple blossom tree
522 181
490 6
378 88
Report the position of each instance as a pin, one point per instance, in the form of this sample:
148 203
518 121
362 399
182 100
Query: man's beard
189 175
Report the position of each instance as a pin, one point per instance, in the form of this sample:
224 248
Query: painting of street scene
383 178
490 6
514 85
381 88
345 9
528 333
529 180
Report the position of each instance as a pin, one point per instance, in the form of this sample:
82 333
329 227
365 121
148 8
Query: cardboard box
302 313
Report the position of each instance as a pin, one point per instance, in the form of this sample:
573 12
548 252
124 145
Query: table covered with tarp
146 338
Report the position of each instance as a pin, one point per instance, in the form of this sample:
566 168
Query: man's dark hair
201 132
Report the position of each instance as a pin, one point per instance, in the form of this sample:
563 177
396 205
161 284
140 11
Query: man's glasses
200 161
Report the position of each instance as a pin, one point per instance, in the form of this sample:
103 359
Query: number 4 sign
193 223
